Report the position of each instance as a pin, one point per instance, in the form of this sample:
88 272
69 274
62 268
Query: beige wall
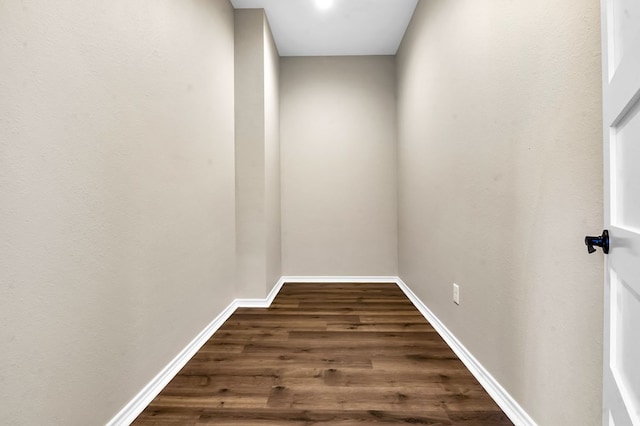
338 138
116 197
257 155
272 158
499 181
250 150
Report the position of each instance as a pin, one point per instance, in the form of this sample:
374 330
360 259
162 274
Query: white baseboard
336 279
505 401
510 407
261 303
134 407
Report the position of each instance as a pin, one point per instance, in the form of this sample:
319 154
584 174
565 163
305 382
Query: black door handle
601 241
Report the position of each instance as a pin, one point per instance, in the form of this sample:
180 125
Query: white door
621 121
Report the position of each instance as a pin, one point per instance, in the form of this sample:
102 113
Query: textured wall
499 180
272 159
250 152
338 138
257 155
116 197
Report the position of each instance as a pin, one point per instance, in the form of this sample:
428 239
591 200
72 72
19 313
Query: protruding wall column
257 155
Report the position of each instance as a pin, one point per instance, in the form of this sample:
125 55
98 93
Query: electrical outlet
456 294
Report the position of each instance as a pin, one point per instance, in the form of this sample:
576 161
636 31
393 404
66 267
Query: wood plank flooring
325 354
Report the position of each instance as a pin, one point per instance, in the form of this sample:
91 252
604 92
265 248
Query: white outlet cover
456 294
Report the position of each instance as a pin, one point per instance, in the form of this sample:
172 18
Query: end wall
339 206
500 178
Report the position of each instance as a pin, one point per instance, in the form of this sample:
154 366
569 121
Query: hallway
161 160
326 354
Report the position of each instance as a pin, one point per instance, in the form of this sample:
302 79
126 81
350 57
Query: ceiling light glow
324 4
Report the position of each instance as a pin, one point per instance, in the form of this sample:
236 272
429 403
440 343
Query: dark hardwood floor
325 354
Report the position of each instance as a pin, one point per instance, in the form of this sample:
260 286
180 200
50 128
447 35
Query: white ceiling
348 27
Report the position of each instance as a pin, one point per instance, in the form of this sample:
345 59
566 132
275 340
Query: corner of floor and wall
160 165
